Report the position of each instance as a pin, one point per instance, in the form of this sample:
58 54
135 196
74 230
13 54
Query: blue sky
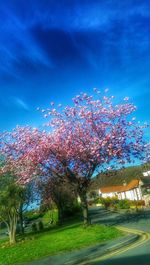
52 50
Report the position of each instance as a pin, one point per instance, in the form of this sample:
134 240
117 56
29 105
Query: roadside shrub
115 203
40 226
141 203
34 227
107 202
98 200
123 204
138 203
71 209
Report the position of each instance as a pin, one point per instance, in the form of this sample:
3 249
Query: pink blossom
126 98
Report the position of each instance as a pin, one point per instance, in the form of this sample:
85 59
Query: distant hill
118 177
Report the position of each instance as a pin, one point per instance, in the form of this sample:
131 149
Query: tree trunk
84 205
21 220
12 228
12 235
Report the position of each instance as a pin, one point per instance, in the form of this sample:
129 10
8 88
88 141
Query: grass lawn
66 238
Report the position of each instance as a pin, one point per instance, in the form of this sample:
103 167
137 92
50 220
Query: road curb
133 239
125 243
137 238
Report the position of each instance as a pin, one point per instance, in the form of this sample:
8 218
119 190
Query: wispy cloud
17 45
20 103
20 49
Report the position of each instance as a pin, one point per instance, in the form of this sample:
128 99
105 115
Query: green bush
40 226
71 209
108 202
33 215
50 217
123 204
138 203
115 203
34 227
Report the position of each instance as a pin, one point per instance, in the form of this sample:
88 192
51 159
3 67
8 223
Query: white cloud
20 103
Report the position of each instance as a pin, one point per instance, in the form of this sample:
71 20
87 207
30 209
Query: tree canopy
93 134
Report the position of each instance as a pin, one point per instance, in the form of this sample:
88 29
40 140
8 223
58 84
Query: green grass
55 241
50 215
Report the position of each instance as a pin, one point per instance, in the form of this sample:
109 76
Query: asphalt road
136 256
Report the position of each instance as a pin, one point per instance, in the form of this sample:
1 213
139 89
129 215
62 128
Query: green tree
62 194
10 202
26 196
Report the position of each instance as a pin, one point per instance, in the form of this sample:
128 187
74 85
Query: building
129 187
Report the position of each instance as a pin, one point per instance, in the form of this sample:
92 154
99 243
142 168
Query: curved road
139 255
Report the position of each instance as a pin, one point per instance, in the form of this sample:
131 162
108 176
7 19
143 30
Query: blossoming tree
15 169
92 134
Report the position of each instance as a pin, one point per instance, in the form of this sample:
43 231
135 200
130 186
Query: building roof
115 183
120 188
121 180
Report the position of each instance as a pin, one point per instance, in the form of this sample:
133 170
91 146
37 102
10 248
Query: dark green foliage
61 195
71 208
115 203
34 215
10 194
40 226
34 228
123 204
108 202
137 203
10 200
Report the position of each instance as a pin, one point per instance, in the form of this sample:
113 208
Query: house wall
105 195
134 194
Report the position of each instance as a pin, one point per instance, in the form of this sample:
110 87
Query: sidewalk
78 256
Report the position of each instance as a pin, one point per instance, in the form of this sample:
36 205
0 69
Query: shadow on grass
70 224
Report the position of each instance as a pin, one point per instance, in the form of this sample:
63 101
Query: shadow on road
106 217
138 260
